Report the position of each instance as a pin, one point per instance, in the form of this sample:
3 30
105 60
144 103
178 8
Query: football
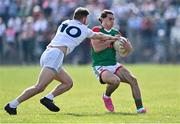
118 46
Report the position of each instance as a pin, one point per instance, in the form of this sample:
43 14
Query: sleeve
96 29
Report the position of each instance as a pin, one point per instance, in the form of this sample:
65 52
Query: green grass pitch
160 88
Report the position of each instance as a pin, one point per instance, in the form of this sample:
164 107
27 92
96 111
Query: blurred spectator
12 8
147 38
175 41
10 36
160 39
40 27
28 41
2 32
133 33
3 12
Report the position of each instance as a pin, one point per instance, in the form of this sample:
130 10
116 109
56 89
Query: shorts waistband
60 48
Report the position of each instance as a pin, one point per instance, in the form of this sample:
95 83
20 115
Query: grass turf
160 87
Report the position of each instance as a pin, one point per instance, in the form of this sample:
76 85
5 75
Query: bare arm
101 36
99 45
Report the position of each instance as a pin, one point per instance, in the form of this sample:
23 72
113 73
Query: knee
134 81
116 81
69 85
39 88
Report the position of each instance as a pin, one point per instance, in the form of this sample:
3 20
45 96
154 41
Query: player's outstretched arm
99 45
101 36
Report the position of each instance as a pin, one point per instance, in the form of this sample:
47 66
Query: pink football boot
108 104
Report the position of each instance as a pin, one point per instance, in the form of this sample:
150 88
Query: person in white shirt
68 36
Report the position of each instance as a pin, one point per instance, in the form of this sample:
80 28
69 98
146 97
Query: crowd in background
27 26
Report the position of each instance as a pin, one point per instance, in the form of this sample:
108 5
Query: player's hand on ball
127 45
122 46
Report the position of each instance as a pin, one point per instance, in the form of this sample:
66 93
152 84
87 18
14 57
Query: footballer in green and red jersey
107 69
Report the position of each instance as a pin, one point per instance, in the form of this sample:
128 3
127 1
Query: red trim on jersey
96 29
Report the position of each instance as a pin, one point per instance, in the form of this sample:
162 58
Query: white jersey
71 33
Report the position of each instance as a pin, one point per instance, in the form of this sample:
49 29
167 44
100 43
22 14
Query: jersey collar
78 22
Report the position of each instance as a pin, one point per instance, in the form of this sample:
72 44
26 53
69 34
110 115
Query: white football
118 46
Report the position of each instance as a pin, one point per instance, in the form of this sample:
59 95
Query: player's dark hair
104 14
80 12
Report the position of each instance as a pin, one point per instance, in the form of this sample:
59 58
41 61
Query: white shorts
52 58
98 70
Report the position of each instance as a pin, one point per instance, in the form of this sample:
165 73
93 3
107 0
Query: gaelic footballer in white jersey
71 33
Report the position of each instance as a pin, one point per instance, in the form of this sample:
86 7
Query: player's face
109 20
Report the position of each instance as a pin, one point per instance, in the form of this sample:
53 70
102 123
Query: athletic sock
50 96
105 96
138 103
14 103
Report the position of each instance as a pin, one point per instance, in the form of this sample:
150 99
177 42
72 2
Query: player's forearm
102 36
99 45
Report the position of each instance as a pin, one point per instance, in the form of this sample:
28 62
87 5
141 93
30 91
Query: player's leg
51 60
112 82
45 77
127 77
56 56
66 84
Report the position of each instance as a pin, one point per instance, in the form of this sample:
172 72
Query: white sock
14 103
50 96
105 96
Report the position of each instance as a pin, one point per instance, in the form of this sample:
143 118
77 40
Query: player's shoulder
66 21
71 22
115 30
96 28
